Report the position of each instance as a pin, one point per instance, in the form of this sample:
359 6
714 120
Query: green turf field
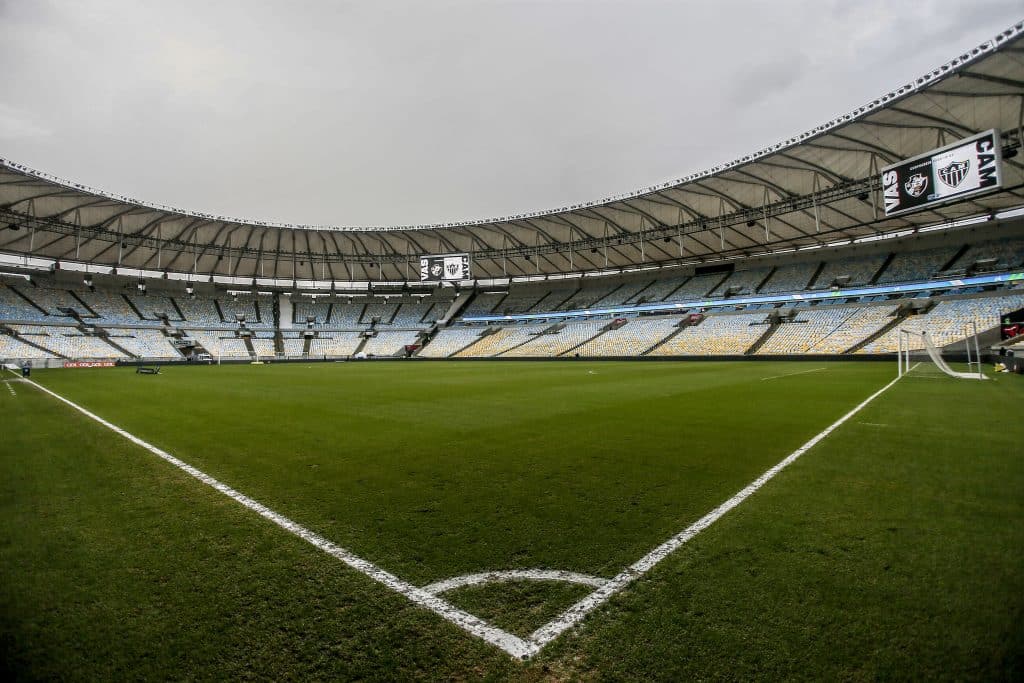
891 549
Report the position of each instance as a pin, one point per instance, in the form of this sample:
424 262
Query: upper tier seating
111 307
916 266
746 280
200 311
483 304
859 270
13 307
696 287
53 300
347 314
791 278
152 306
1007 253
302 309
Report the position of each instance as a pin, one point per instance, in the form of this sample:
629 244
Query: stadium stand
790 278
913 266
723 334
335 344
10 347
632 339
501 341
67 341
200 311
558 342
948 322
449 340
390 342
144 343
743 281
859 271
111 307
53 301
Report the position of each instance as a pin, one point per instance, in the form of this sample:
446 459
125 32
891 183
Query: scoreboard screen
966 168
444 267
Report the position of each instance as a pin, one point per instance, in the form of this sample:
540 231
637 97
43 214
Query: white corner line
515 646
790 374
575 614
514 575
512 644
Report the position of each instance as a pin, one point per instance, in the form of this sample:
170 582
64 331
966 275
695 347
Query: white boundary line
790 374
512 644
10 388
514 575
575 614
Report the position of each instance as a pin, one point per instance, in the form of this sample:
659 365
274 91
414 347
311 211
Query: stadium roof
819 187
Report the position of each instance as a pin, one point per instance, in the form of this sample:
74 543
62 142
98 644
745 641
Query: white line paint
10 388
575 614
514 575
790 374
514 645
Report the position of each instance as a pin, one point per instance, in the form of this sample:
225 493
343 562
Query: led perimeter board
443 267
965 168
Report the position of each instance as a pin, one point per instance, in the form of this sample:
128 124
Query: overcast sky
387 112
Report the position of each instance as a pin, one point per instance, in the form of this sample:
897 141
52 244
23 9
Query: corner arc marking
446 585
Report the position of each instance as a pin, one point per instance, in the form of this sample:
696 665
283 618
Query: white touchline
426 596
790 374
572 616
512 644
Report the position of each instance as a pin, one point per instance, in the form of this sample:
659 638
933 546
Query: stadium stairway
680 328
105 336
249 347
279 343
29 301
900 315
772 329
881 270
817 273
458 305
614 325
554 329
85 306
135 309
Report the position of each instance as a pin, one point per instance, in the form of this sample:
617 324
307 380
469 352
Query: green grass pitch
892 549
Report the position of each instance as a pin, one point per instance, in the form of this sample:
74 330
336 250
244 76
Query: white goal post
918 354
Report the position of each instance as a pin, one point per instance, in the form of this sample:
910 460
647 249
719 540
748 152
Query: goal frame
903 366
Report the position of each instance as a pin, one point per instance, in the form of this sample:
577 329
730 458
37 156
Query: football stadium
754 422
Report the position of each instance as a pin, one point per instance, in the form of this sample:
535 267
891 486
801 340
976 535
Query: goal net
918 355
